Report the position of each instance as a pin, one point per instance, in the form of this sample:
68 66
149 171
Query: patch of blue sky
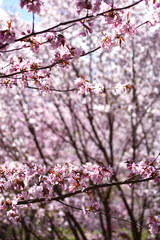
14 7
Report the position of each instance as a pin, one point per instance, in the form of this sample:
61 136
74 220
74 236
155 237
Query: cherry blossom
8 35
83 86
154 224
80 96
32 5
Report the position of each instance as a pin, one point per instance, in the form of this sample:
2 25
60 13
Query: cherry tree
80 121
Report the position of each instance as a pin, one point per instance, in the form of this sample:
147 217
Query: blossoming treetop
88 130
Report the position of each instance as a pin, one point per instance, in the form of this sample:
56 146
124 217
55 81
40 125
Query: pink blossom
108 42
144 169
93 207
120 88
155 16
83 86
97 5
13 215
113 17
76 52
55 40
154 224
7 36
32 5
83 4
127 29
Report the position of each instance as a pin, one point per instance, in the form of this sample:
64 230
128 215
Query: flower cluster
144 169
121 31
62 60
97 6
31 75
154 225
75 53
32 5
36 182
83 86
33 44
94 172
127 28
7 36
93 207
112 17
94 6
108 42
156 14
10 207
83 4
55 40
121 88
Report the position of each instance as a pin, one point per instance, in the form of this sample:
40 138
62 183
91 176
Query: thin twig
117 218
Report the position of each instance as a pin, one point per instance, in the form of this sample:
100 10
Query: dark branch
67 195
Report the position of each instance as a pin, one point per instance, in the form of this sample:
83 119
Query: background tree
89 113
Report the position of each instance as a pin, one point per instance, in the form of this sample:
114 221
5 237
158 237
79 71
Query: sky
13 6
